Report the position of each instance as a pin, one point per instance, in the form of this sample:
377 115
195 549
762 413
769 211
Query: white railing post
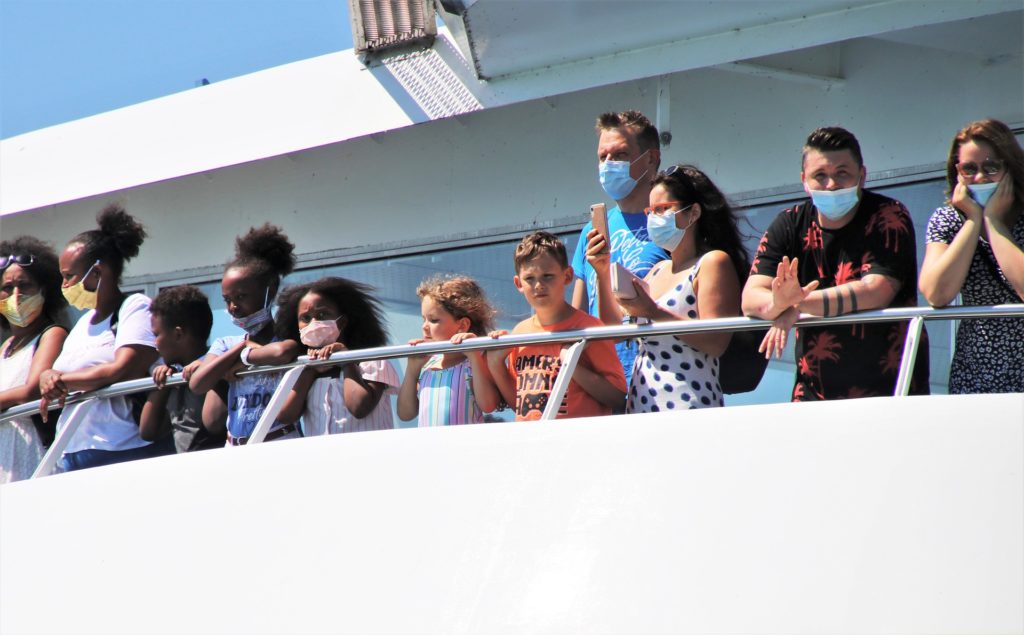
570 357
903 380
275 405
64 436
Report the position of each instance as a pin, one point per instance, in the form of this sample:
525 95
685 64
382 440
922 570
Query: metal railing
80 403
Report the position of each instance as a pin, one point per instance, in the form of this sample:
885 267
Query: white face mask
320 333
834 204
253 324
982 192
662 230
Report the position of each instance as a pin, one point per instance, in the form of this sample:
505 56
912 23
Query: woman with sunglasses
702 279
974 248
32 311
112 342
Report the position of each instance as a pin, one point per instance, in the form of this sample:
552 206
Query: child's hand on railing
459 338
416 362
186 373
160 374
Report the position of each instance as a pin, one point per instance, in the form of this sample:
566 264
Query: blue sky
61 60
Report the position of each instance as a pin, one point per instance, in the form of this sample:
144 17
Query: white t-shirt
326 412
109 425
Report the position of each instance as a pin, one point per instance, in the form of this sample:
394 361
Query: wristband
244 356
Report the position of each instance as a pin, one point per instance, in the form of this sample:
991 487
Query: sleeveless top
668 373
446 395
20 446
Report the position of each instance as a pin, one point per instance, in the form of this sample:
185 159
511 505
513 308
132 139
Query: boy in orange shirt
598 384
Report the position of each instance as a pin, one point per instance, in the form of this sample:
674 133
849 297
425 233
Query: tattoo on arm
824 303
839 301
853 301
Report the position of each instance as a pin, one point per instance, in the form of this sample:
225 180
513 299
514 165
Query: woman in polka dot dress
690 218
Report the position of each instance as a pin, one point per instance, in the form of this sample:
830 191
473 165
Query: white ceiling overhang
497 53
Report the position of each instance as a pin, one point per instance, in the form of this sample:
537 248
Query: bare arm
873 291
485 391
215 409
295 404
130 362
598 387
409 393
498 366
45 354
599 257
1008 253
155 420
275 353
215 368
579 295
767 298
945 266
361 395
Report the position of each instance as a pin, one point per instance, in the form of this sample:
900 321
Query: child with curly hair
453 388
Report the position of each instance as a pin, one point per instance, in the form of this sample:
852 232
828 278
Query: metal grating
381 25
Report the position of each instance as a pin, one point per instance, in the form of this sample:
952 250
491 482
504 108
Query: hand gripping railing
915 315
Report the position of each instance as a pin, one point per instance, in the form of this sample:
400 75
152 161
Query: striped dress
446 395
326 412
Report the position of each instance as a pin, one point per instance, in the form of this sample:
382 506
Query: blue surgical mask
835 204
615 178
983 192
253 324
662 230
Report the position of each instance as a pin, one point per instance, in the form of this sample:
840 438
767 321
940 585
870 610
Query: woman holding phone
689 217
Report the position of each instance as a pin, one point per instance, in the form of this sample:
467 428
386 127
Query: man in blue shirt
628 155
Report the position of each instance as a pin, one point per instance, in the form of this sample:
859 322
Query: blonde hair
462 297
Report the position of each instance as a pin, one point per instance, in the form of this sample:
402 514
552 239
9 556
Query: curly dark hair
266 252
462 297
45 270
717 222
185 306
115 242
364 323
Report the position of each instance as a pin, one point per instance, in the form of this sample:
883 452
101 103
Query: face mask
320 333
663 231
615 178
253 324
835 204
21 310
983 192
78 296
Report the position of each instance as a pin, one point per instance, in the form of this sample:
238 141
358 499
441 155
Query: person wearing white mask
975 248
846 249
689 217
112 342
628 156
263 256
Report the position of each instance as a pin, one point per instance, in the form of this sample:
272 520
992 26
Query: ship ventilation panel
385 25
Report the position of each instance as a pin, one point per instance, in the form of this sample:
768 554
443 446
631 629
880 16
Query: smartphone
622 282
599 219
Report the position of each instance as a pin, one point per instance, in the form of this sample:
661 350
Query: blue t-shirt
632 249
248 396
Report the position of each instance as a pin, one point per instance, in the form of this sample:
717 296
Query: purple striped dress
446 395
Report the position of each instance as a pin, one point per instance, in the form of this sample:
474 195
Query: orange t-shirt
535 368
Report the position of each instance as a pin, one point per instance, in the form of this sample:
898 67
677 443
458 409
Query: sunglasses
990 167
661 209
22 260
669 171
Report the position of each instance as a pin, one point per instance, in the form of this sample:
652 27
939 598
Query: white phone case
622 282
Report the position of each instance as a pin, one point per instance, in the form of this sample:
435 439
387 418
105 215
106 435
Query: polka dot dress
668 374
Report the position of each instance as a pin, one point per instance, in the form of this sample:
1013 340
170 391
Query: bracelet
244 356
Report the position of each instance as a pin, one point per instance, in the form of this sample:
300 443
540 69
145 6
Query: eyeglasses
990 167
22 260
661 209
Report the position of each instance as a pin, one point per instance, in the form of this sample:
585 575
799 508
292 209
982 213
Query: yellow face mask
78 296
21 310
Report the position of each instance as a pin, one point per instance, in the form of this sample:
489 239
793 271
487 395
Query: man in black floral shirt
844 250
